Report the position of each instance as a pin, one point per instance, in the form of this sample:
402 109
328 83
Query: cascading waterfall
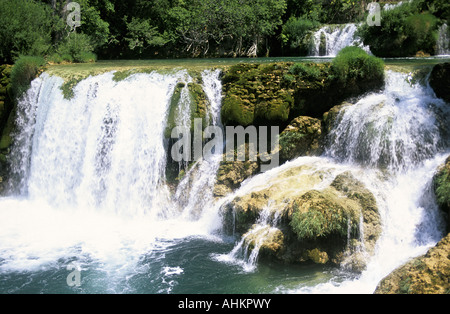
404 131
392 141
91 173
89 188
443 43
195 191
330 39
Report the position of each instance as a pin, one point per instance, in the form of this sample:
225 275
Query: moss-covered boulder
256 94
440 80
302 137
317 225
427 274
441 184
6 121
231 174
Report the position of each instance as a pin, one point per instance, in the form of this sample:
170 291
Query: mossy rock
441 185
426 274
302 137
256 94
316 224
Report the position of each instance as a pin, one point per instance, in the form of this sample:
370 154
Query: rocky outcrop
440 80
302 137
321 226
256 94
427 274
441 184
6 121
231 174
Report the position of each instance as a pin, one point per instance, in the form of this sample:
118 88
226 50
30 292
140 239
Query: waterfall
392 141
330 39
443 43
246 251
90 172
195 191
400 136
398 128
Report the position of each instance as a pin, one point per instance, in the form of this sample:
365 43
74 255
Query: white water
443 43
337 37
92 174
416 125
195 192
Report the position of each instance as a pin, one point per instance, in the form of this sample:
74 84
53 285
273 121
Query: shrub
23 72
307 71
77 48
404 31
26 29
295 34
353 65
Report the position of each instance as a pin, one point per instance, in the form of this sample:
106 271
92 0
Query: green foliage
26 29
23 72
295 34
141 34
352 64
316 223
442 188
77 47
309 71
404 31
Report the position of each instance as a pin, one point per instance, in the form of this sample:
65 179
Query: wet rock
440 80
427 274
302 137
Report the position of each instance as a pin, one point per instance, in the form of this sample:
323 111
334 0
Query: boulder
314 225
441 185
440 80
301 137
427 274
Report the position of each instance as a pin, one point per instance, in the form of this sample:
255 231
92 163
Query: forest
144 29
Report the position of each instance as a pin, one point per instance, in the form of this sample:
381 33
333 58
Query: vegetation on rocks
426 274
276 93
441 183
322 226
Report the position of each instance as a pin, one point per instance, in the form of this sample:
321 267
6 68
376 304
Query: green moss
25 69
317 215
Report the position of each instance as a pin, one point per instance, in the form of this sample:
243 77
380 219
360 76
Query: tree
26 28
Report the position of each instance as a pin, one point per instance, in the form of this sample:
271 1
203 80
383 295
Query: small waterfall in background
330 39
443 43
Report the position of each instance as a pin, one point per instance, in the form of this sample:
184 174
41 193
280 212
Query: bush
295 34
77 48
306 71
404 31
26 29
353 65
23 72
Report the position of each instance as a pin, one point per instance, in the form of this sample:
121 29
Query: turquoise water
185 267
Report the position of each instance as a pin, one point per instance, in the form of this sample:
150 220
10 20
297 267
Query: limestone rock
322 226
301 138
427 274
